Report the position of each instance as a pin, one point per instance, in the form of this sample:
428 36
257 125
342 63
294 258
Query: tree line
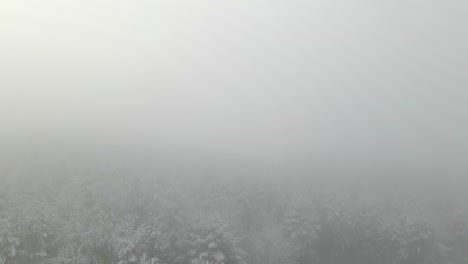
163 220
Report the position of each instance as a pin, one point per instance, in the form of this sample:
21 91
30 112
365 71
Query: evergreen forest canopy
115 214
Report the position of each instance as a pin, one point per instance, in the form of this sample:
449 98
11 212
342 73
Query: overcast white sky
287 79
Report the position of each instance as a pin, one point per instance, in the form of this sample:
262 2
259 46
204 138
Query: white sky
282 79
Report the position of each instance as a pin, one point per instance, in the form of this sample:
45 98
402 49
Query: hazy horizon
343 88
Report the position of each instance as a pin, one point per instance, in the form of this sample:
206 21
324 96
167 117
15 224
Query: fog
352 96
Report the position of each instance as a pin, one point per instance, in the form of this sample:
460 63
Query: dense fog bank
233 132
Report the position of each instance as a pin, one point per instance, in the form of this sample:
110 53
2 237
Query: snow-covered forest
121 215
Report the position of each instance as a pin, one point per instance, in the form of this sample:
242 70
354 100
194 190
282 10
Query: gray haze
363 87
